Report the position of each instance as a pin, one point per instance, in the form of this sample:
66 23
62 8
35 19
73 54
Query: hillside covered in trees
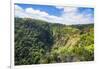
40 42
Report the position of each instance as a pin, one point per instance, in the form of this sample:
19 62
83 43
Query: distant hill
38 42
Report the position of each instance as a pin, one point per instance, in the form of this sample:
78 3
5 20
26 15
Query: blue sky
52 10
56 14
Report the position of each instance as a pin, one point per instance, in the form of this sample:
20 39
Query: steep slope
39 42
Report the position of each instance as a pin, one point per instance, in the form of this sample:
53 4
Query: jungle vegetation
41 42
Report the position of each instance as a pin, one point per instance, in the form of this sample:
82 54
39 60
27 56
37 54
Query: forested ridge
41 42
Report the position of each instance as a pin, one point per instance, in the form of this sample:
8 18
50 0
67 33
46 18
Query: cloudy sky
55 14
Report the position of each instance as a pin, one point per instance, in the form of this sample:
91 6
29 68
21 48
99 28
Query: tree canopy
38 42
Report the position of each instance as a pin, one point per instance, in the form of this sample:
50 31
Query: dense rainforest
41 42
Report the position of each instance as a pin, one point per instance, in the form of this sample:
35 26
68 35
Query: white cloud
69 15
59 7
70 9
34 12
18 8
20 12
72 16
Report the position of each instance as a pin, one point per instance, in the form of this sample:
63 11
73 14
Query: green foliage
39 42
